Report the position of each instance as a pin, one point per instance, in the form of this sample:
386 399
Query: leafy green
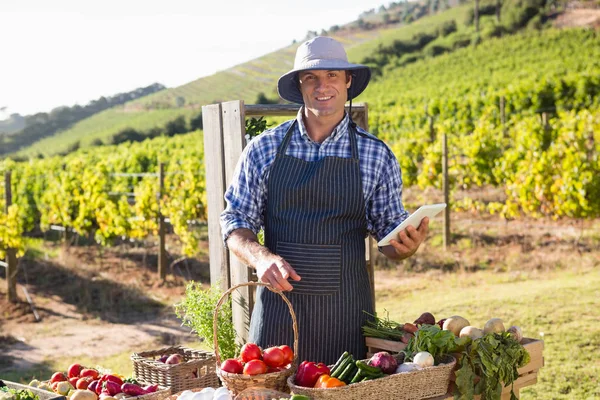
435 341
494 358
18 394
196 311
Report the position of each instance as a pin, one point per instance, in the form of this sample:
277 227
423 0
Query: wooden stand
527 374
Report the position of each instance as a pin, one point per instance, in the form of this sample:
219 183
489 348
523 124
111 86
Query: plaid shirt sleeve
385 209
245 195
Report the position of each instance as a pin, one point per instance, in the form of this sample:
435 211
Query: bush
447 28
196 122
96 142
492 31
176 126
460 40
435 49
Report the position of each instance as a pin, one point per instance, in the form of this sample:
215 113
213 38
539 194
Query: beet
385 361
425 319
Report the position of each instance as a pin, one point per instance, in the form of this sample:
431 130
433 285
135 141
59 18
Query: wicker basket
236 383
415 385
177 377
261 394
160 394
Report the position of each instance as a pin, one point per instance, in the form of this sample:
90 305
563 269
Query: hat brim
287 86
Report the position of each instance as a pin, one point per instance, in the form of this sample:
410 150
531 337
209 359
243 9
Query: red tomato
58 377
92 373
288 354
274 357
73 381
232 366
255 367
250 351
74 370
83 383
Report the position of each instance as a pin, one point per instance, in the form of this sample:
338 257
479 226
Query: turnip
423 359
471 331
408 367
494 325
455 323
515 333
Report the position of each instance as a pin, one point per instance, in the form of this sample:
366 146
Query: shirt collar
337 133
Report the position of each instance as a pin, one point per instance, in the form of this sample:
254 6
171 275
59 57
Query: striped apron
315 219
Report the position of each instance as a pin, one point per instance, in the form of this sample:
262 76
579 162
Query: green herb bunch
494 358
196 311
255 126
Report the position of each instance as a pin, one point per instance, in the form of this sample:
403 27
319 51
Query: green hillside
244 81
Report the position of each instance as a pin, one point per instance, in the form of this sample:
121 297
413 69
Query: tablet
414 219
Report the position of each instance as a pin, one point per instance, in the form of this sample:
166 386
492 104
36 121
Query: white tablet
414 219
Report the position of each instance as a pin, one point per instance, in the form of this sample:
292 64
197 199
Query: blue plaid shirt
381 178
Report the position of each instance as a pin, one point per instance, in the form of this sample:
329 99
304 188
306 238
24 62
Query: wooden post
234 128
498 5
503 114
11 255
545 123
446 187
212 121
431 129
162 254
476 16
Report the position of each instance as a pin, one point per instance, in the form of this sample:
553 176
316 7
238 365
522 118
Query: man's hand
408 241
275 270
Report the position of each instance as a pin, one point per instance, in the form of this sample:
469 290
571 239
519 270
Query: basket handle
271 288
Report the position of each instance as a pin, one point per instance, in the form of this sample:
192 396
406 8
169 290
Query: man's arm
270 267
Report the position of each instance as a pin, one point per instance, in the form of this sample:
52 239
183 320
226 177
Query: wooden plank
214 165
284 110
233 114
384 345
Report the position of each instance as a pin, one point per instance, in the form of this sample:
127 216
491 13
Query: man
317 185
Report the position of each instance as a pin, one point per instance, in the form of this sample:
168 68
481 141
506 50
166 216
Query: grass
560 307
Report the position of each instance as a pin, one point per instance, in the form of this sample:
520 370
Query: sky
67 52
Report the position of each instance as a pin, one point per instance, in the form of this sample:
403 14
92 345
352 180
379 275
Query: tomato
274 357
92 373
73 381
255 367
232 366
288 354
83 383
74 370
58 377
250 351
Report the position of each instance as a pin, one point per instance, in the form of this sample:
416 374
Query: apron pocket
319 266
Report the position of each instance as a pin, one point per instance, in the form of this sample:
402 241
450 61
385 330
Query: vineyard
521 113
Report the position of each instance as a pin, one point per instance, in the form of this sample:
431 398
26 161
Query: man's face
324 92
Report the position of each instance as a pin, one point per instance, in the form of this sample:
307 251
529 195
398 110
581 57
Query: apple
74 370
92 373
83 383
174 359
58 377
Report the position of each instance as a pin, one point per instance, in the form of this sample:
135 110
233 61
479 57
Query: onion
385 361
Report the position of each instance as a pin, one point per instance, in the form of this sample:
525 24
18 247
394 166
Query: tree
196 122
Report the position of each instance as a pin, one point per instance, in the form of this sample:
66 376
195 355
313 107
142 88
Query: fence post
162 253
446 187
503 114
11 255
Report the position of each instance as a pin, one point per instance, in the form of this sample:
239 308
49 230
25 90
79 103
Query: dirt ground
89 298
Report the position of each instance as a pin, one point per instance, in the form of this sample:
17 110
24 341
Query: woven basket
415 385
236 383
261 394
177 377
